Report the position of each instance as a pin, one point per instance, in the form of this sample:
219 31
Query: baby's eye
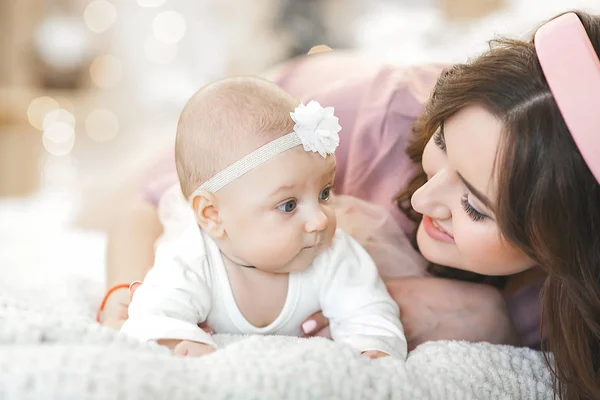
325 193
288 206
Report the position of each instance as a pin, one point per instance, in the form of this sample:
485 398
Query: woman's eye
439 140
325 194
288 206
470 210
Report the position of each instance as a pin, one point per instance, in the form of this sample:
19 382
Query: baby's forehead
296 169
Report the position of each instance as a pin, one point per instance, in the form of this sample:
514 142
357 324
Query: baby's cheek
276 243
331 224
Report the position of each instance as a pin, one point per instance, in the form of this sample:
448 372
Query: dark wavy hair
548 201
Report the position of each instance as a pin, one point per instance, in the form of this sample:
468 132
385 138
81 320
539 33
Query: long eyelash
439 139
471 212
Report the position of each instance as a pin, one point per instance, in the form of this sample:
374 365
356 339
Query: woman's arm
443 309
130 254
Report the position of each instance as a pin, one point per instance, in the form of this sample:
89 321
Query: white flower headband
316 129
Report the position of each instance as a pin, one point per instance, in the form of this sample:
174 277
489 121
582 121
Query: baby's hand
186 348
373 354
116 308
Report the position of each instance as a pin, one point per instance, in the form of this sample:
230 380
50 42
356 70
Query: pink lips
435 231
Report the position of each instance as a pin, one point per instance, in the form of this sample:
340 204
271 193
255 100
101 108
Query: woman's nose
430 199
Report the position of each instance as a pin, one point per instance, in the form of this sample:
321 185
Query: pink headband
572 70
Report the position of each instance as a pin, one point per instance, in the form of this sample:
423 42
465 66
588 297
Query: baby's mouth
315 244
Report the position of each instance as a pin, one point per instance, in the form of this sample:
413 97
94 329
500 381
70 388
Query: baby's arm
354 298
169 305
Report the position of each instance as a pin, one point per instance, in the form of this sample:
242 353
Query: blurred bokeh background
90 89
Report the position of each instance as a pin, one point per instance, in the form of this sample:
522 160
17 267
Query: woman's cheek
478 247
485 252
478 256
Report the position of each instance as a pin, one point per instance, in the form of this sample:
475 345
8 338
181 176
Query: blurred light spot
62 42
99 15
59 132
59 138
151 3
106 71
159 53
58 116
38 109
102 125
169 27
60 171
65 104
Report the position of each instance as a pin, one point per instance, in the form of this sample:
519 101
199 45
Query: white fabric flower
317 128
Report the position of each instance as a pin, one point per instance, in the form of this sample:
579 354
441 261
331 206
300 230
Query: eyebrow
331 170
480 196
284 188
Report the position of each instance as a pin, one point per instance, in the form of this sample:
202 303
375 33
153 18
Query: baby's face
278 217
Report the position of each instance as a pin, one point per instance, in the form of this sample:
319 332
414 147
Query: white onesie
189 284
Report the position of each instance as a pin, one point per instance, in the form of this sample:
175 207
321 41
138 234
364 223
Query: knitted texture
51 348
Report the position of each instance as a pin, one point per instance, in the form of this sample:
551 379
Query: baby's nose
318 222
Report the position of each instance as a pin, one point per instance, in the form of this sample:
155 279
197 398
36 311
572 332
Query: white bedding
50 347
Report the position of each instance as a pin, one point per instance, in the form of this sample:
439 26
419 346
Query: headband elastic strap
572 70
245 164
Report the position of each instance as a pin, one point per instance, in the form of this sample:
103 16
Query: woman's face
459 226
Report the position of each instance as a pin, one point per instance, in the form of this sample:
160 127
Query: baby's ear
321 48
206 210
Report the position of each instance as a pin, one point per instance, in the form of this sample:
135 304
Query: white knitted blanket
50 348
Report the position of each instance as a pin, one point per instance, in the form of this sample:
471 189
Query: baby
262 253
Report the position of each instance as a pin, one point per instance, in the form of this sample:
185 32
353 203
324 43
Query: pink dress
376 105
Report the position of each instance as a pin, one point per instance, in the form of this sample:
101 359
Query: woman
509 149
508 179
